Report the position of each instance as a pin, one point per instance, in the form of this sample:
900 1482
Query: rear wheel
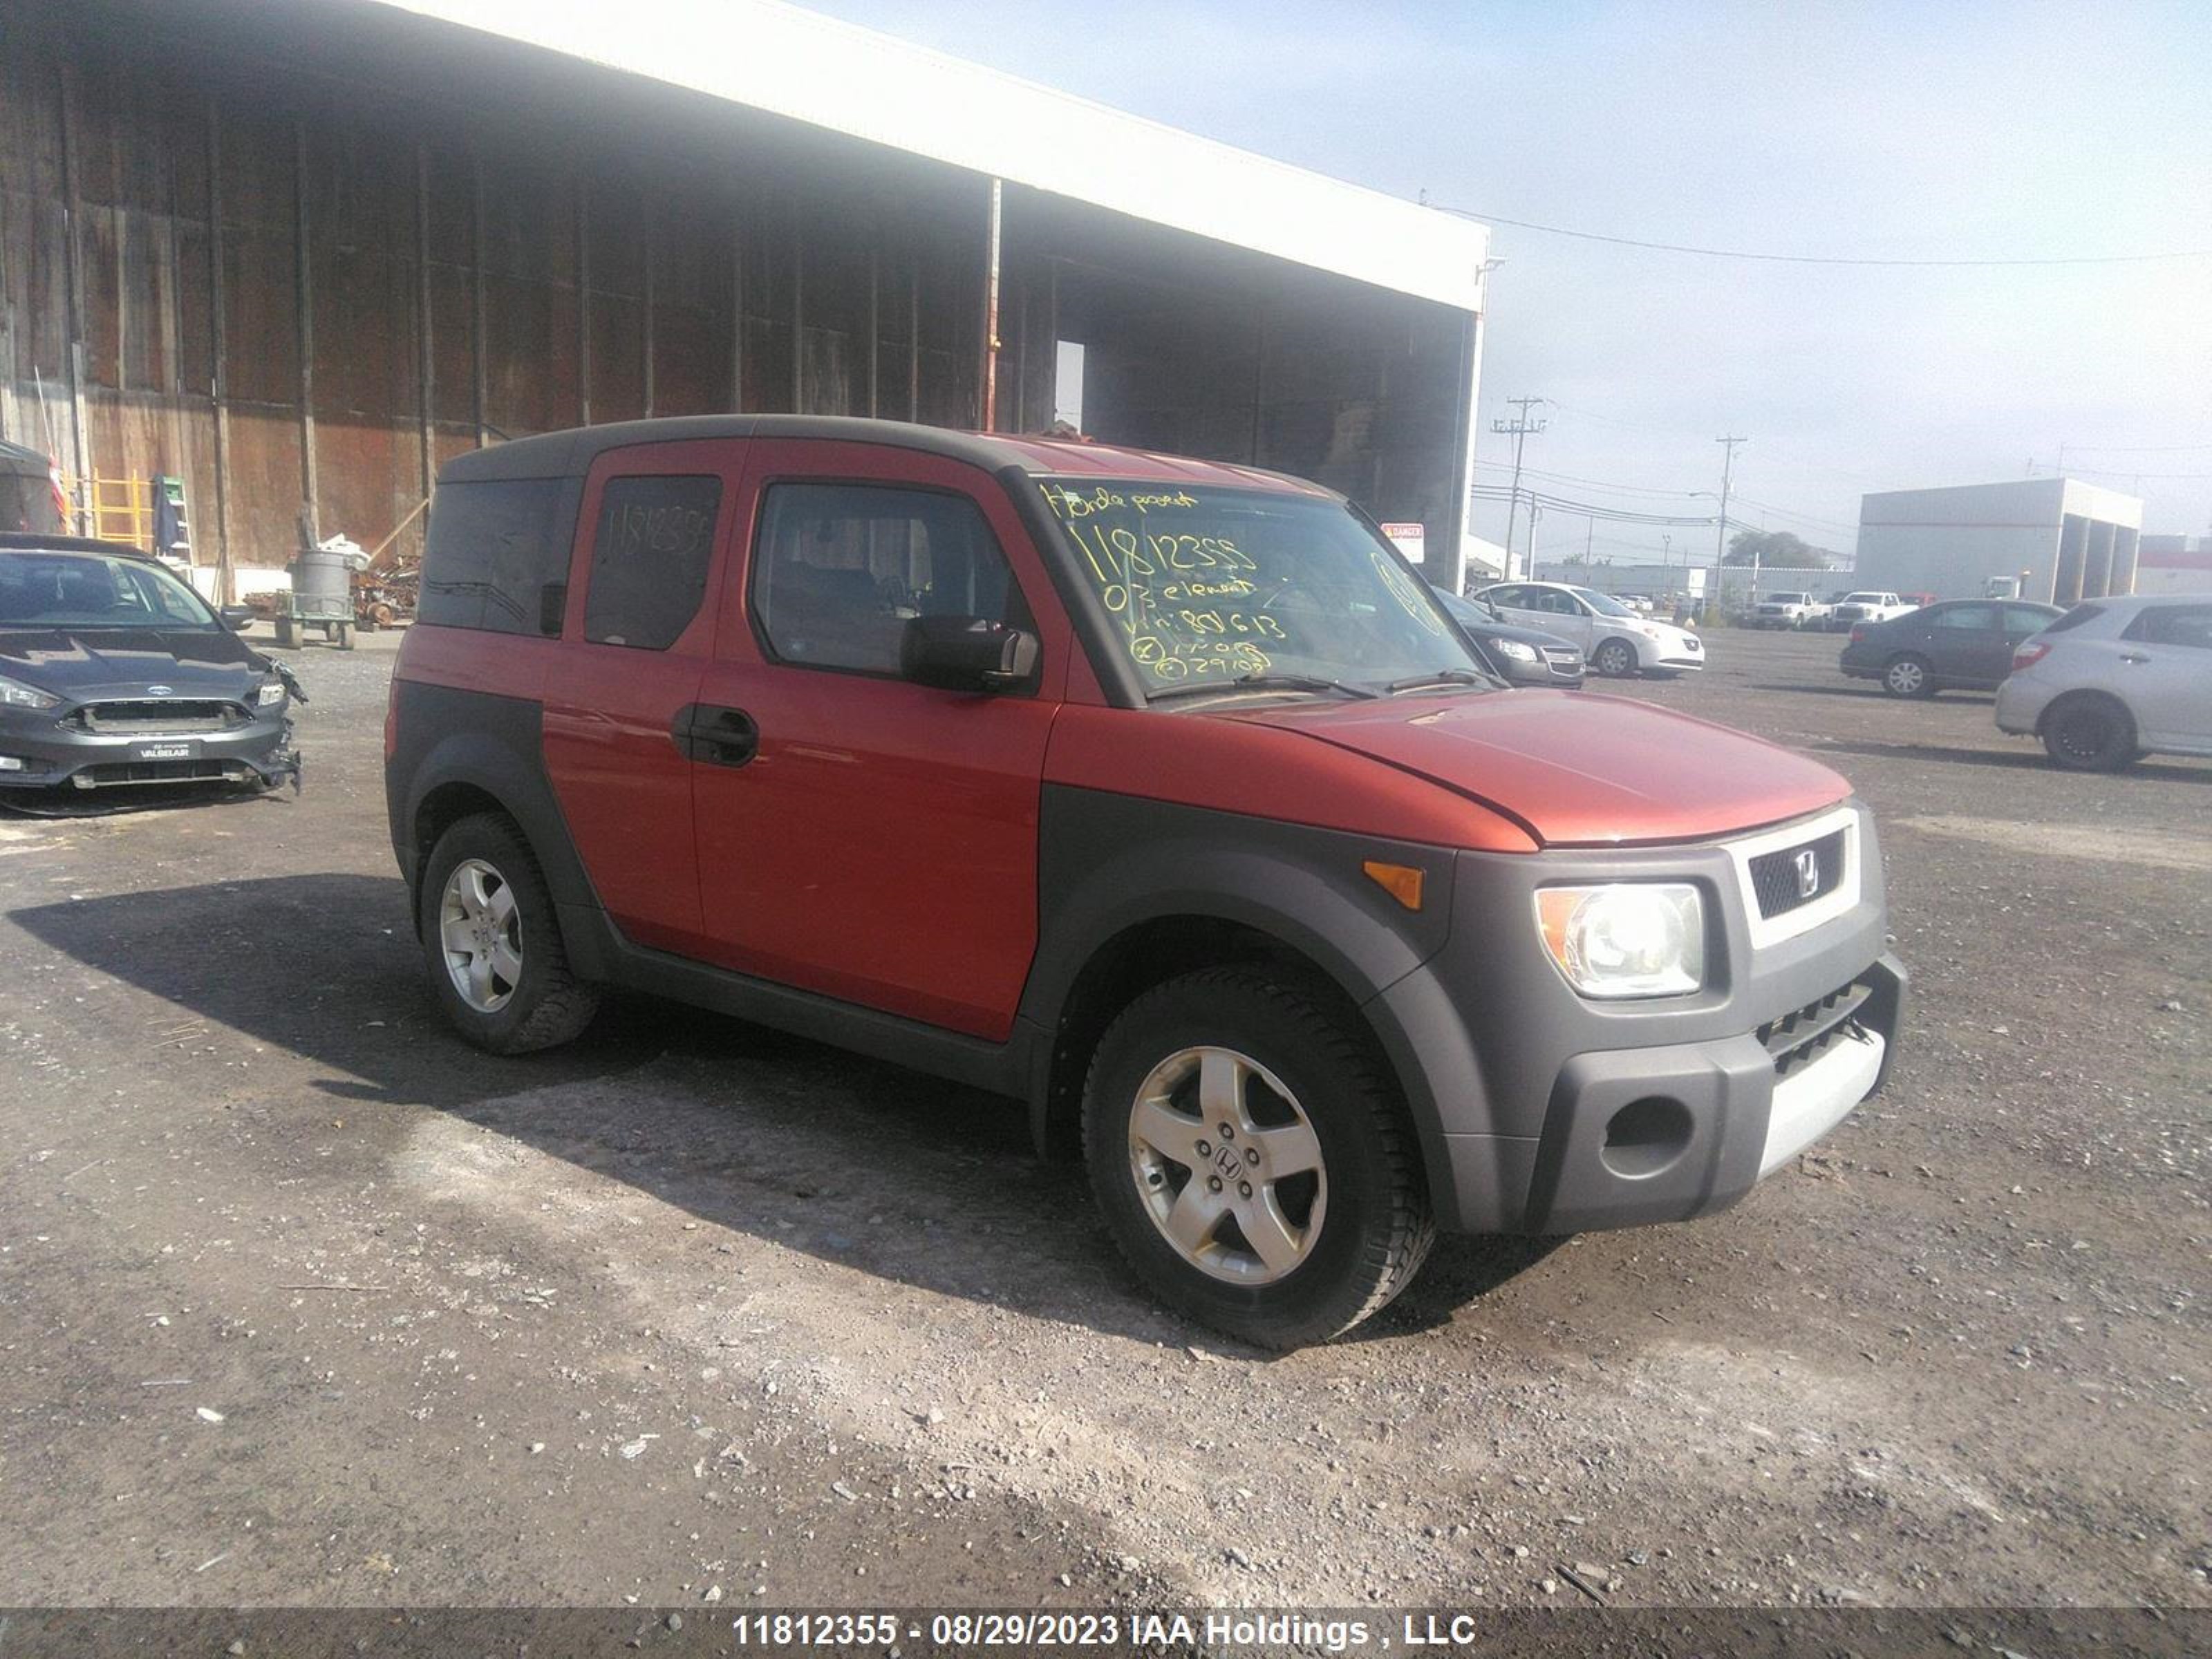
491 943
1615 660
1908 676
2089 733
1253 1159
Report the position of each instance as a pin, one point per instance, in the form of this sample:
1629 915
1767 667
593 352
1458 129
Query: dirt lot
302 1302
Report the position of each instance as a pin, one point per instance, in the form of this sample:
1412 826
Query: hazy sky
1950 130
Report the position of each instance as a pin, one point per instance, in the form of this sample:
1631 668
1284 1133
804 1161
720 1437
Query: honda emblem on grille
1808 873
160 690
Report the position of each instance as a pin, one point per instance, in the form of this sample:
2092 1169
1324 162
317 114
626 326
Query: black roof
15 458
570 454
33 541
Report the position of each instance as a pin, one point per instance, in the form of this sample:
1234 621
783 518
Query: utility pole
1720 531
1518 429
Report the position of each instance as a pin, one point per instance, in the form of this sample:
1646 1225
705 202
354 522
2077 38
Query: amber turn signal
1402 882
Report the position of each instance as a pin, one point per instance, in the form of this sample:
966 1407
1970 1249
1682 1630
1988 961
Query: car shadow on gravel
2022 760
850 1160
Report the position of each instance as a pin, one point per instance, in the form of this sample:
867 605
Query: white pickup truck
1867 607
1790 610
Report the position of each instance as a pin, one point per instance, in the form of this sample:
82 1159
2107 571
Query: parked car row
2102 684
1617 641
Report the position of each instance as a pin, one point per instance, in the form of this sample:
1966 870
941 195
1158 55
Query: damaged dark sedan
115 673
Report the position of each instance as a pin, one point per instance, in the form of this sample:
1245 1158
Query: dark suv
1157 793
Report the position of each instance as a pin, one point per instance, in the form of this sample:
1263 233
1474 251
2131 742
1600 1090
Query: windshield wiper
1442 676
1271 682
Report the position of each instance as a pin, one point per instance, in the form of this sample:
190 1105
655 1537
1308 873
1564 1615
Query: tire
2089 733
1614 659
1351 1226
288 633
1907 676
344 632
528 999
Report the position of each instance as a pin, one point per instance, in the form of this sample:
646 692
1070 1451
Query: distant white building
2174 564
2061 539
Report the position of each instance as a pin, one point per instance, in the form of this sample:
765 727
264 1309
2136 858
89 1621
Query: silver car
2114 680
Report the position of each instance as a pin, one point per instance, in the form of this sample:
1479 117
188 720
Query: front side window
1979 618
1604 604
840 570
649 560
88 590
1204 586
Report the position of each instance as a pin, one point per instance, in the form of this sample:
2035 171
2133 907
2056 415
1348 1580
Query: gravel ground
302 1302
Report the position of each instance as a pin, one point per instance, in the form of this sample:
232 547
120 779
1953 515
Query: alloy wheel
1228 1165
480 931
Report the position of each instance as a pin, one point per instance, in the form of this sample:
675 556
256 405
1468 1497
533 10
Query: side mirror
238 618
966 653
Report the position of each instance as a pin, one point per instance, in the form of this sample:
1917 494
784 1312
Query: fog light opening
1646 1137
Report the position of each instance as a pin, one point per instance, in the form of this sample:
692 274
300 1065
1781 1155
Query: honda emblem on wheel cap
1809 873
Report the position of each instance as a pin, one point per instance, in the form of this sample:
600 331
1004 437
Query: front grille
1803 1035
1777 878
115 773
1564 660
166 717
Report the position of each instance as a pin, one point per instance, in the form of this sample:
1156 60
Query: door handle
714 736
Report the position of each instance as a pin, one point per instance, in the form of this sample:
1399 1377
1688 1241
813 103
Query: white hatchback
1615 640
2114 680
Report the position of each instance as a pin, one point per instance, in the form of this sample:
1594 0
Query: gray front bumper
55 756
1547 1112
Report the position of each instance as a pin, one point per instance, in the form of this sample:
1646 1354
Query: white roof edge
769 55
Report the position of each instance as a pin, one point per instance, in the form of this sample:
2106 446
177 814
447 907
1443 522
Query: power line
2137 449
1821 258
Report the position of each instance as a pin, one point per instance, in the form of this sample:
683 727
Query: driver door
860 836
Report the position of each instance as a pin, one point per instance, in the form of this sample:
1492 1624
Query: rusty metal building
298 254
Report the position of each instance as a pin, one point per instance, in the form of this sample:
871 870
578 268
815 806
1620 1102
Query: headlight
14 694
1627 938
1514 649
273 691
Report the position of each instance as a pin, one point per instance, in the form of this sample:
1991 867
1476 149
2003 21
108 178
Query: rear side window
649 559
2075 617
495 547
2026 618
2175 624
842 569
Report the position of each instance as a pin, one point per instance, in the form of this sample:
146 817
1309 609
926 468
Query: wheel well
440 810
2066 700
1131 963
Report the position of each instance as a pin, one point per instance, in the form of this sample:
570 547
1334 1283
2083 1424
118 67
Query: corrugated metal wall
299 256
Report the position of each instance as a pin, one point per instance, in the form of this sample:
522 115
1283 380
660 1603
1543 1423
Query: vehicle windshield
91 590
1604 604
1209 586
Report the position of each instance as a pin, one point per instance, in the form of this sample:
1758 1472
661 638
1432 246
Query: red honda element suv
1159 795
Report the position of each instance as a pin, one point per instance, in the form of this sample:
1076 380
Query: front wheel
493 947
1253 1159
1615 660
